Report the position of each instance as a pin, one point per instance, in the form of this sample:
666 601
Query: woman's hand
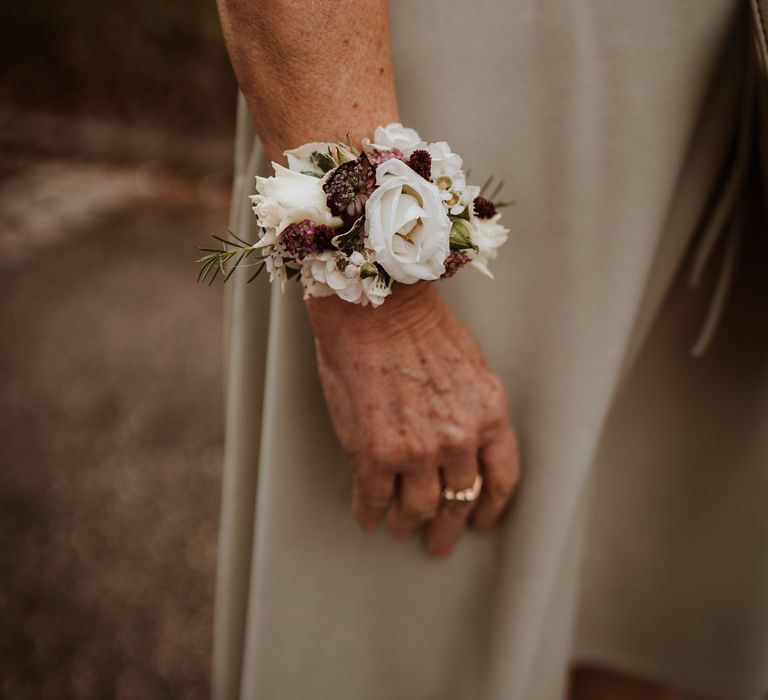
416 409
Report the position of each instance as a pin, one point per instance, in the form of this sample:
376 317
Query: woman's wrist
408 307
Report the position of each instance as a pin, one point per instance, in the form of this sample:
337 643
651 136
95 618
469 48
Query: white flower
312 287
376 290
406 224
466 199
287 198
276 269
334 269
488 235
332 272
445 161
449 177
299 158
395 135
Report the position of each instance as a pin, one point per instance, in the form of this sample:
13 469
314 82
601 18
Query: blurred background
115 156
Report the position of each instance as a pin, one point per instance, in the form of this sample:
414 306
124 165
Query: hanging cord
725 221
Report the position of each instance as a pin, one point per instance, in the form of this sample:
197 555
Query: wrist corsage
350 222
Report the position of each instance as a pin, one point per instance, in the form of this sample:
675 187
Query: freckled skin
441 413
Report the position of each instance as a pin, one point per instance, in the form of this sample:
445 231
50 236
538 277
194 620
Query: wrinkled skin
416 408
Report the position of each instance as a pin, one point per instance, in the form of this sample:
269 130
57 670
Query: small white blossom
488 235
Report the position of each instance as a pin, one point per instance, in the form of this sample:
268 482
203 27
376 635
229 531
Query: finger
418 500
445 529
372 491
500 466
459 466
459 473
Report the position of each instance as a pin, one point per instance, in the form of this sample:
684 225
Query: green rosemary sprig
215 260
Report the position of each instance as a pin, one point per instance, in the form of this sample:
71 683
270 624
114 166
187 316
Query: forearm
311 70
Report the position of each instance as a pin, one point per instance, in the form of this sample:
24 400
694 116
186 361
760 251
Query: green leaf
322 161
223 240
368 269
234 267
216 270
460 238
351 239
237 238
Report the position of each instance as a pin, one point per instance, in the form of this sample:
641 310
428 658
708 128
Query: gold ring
464 495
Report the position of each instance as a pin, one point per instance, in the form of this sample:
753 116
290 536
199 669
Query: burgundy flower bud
454 262
484 208
421 162
304 237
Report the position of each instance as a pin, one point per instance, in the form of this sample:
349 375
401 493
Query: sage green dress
639 536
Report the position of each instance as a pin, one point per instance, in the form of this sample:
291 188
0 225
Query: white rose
406 224
488 235
287 198
395 135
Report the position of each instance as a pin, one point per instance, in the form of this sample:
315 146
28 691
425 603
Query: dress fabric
637 538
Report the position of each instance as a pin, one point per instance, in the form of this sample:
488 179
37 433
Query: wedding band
464 495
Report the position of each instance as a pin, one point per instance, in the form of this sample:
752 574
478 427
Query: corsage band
351 222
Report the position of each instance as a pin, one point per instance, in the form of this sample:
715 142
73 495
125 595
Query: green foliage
460 238
322 161
220 260
351 239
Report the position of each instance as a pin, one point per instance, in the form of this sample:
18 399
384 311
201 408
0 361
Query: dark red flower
421 162
484 208
348 188
304 237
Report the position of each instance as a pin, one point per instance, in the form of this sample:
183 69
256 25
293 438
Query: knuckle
457 442
409 457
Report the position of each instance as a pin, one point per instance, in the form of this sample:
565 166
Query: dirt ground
110 426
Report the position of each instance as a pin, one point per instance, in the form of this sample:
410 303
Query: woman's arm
412 400
311 70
